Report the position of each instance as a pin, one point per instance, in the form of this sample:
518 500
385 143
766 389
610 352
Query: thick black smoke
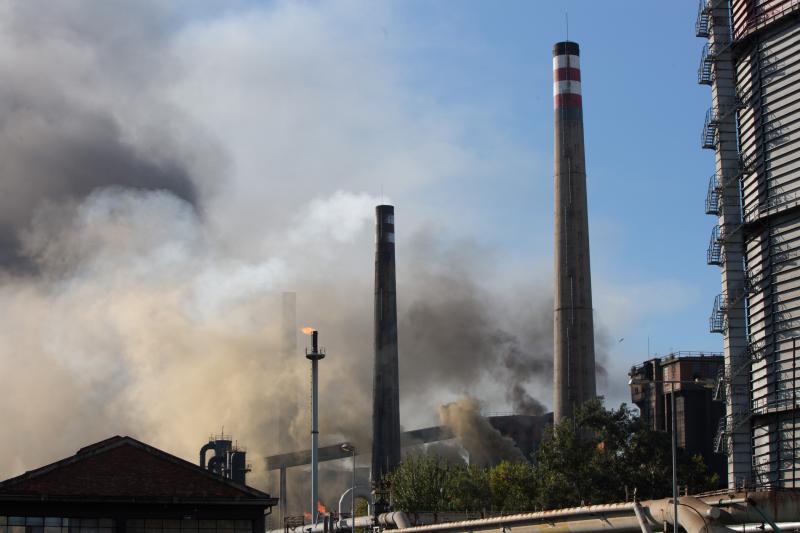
73 81
457 332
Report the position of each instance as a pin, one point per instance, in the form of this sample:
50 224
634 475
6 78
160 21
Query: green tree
468 489
598 456
513 487
603 455
419 483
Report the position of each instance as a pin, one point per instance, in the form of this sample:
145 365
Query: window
187 526
55 524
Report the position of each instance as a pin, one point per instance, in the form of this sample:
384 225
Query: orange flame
307 330
321 508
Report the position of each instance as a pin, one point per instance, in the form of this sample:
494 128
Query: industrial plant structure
573 357
752 64
682 374
386 381
229 460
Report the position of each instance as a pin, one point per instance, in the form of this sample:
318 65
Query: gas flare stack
386 388
314 355
574 364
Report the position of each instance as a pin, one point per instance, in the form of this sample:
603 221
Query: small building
698 414
121 485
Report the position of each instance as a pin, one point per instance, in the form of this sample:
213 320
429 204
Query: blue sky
643 115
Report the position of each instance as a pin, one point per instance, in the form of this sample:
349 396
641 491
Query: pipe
366 495
596 513
772 524
674 439
641 518
203 451
282 494
314 436
395 520
314 356
759 528
698 517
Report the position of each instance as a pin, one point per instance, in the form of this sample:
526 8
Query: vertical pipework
573 365
314 355
386 389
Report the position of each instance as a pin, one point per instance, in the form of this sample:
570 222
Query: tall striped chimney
573 365
386 388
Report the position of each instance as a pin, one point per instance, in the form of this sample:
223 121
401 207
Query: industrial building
697 413
229 460
751 61
123 485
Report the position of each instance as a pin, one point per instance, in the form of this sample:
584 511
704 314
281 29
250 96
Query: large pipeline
709 514
394 521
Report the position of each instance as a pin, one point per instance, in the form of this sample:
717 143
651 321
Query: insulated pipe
698 517
396 520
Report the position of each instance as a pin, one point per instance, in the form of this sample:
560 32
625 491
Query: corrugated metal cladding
767 62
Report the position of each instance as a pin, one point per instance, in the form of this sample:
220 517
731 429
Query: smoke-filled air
166 178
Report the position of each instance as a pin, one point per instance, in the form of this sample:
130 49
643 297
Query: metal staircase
713 195
716 322
705 72
720 439
714 254
703 21
708 139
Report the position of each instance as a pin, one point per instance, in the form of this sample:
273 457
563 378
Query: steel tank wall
767 50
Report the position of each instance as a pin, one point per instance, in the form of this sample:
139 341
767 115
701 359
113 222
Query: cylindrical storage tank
767 69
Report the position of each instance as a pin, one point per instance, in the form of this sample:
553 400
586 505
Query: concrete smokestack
574 366
386 389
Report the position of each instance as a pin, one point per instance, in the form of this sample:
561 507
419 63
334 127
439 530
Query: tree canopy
598 456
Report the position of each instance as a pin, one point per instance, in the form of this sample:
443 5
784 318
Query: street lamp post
350 448
702 383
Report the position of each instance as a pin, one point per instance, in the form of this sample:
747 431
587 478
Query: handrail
759 20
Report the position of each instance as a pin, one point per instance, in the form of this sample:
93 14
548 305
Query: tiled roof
122 468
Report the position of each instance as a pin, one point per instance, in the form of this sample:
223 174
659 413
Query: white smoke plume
167 170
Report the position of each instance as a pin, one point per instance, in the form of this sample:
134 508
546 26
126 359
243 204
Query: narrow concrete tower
573 365
386 389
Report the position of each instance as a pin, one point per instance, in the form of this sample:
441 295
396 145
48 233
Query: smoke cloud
460 332
166 172
484 444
